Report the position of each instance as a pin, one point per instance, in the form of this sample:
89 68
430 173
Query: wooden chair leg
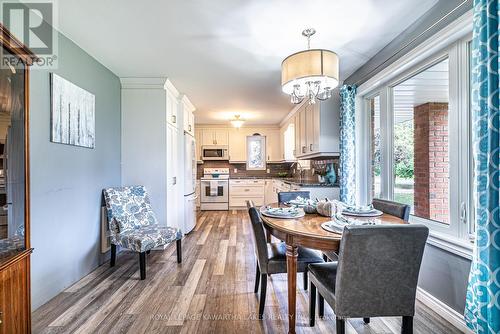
179 251
321 306
305 279
325 258
257 279
312 305
340 326
112 261
148 252
366 320
142 264
262 301
407 326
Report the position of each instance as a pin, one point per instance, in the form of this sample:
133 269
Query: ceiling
430 85
226 54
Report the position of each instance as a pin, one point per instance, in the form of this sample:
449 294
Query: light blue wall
66 181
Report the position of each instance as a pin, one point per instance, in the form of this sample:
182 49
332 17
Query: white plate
300 213
331 226
373 213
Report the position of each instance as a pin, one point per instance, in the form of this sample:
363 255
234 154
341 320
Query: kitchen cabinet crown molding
184 99
143 82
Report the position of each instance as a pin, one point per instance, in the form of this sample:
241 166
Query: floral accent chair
133 224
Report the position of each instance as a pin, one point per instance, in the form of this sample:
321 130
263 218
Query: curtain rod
368 75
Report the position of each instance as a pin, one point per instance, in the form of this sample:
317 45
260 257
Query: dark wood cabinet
15 250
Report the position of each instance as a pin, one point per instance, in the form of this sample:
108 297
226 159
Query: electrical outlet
235 171
268 171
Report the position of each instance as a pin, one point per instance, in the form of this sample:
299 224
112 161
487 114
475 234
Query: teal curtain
347 177
482 311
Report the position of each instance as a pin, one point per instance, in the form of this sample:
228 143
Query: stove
214 189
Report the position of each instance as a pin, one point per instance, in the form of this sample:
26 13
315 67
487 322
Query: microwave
214 152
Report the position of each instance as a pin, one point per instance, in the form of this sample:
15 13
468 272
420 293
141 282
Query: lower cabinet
242 190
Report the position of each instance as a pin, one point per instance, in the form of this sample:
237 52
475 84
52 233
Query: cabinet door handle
310 147
189 128
304 149
174 180
268 157
174 119
247 189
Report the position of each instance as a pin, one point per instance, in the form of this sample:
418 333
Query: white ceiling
226 54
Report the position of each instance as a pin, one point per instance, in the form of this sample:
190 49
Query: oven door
217 194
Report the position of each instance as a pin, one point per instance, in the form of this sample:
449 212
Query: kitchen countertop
296 182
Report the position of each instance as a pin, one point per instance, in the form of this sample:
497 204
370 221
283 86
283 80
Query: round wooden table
306 232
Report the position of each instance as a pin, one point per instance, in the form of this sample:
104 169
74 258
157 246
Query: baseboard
446 312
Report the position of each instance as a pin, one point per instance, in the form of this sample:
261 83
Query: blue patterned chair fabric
132 222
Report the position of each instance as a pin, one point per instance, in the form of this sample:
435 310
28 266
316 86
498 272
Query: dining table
307 232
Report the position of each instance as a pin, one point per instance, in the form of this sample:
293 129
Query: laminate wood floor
210 292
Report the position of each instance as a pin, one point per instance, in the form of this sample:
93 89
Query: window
374 105
420 143
256 152
420 152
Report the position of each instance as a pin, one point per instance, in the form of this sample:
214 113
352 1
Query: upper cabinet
317 129
287 140
214 137
172 105
237 146
188 115
272 144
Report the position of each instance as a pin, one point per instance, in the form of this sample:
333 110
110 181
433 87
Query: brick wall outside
431 170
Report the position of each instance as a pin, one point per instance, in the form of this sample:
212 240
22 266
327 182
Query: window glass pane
375 145
256 152
420 139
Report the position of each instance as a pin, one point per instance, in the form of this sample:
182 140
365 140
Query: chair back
128 208
392 208
378 270
287 196
259 234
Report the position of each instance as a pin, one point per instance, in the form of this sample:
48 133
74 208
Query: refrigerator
189 183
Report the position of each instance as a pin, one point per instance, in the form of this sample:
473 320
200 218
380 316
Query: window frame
457 236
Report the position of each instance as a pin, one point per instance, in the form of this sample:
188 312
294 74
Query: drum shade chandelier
310 74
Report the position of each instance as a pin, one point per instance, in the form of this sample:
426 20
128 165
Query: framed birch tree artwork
72 116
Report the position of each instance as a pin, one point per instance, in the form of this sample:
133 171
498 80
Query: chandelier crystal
310 74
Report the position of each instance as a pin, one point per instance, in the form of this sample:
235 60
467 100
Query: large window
419 147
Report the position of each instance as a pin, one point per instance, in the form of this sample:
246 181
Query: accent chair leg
142 264
112 261
257 279
312 305
148 251
179 251
407 326
262 301
305 279
321 306
340 325
366 320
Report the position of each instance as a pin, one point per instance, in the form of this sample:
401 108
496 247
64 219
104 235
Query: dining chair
287 196
376 274
271 257
396 209
399 210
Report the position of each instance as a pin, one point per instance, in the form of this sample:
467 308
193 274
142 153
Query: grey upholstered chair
392 208
287 196
376 274
396 209
133 224
271 257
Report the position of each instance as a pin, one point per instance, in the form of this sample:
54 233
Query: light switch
235 171
268 171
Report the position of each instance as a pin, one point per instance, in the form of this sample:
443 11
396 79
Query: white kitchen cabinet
287 141
270 196
241 190
272 144
318 129
238 144
215 136
173 182
188 115
172 97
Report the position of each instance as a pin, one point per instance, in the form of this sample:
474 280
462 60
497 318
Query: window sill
450 244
